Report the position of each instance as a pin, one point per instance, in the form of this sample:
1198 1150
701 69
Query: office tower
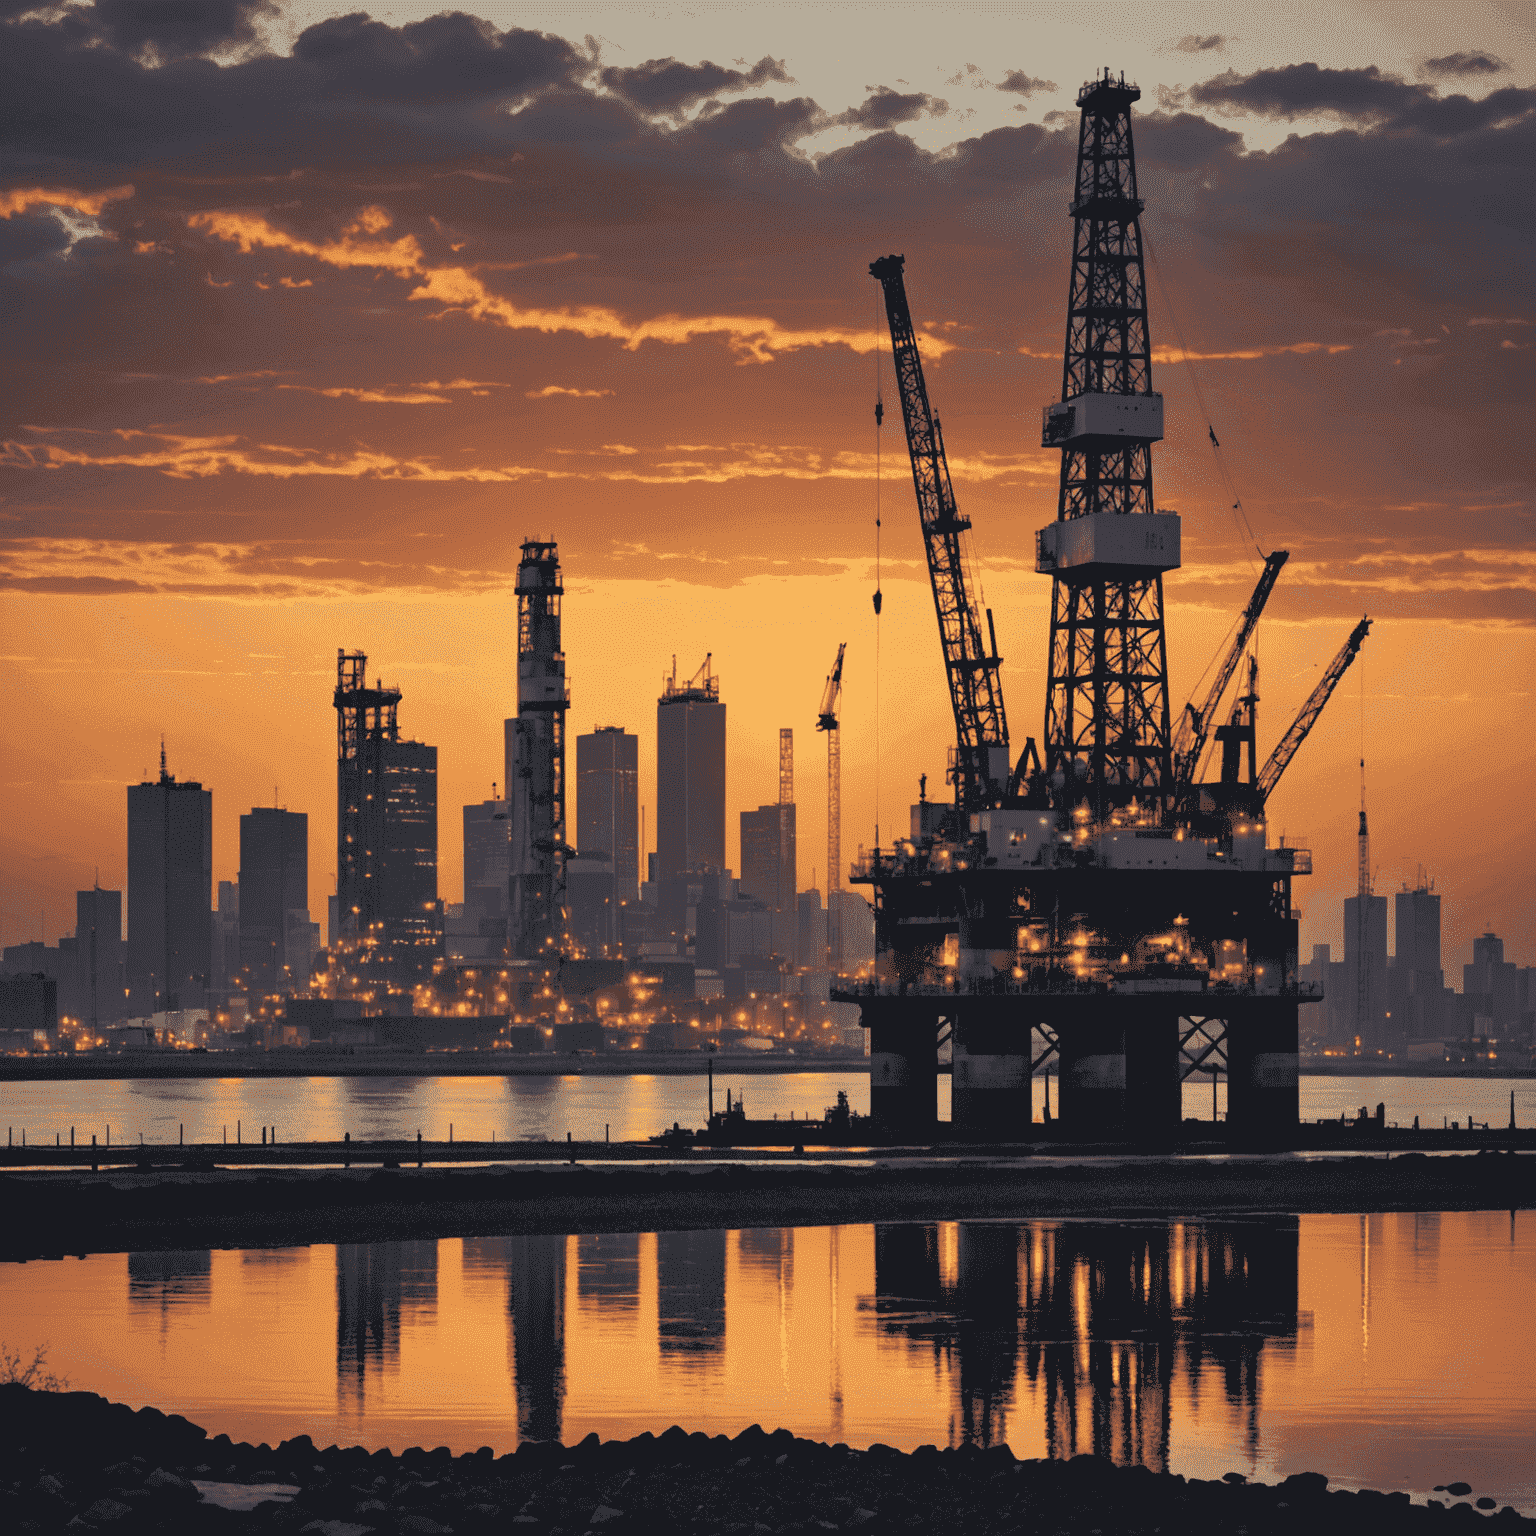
768 856
99 952
1365 941
535 766
226 939
170 886
386 823
812 944
608 804
592 913
274 881
487 861
1490 989
690 774
1416 984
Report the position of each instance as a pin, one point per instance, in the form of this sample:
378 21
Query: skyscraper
170 890
487 862
768 856
1366 996
99 951
1416 984
608 803
386 822
690 774
274 881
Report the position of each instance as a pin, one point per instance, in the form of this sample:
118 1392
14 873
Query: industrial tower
536 760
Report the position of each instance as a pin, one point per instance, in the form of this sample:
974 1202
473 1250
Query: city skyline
196 526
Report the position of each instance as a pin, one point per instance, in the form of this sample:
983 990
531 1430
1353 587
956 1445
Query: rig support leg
1153 1094
1263 1084
903 1076
1092 1082
990 1083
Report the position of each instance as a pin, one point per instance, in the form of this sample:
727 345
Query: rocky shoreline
74 1461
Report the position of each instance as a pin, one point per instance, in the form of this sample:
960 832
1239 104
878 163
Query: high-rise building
608 804
487 861
690 774
1490 989
768 856
1416 992
170 888
812 945
274 881
386 823
1365 945
99 952
226 939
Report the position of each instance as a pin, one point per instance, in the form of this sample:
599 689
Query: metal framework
1107 725
786 765
980 769
827 720
366 718
1289 744
537 792
1195 724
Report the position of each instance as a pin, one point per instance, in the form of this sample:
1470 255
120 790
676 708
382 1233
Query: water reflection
1390 1349
377 1286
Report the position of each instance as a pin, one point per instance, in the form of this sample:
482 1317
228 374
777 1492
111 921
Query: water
630 1108
1387 1351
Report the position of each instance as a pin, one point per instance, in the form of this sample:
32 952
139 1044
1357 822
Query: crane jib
981 726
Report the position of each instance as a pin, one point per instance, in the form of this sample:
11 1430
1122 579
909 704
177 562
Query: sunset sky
310 318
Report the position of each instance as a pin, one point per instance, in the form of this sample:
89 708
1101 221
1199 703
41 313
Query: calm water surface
323 1108
1388 1351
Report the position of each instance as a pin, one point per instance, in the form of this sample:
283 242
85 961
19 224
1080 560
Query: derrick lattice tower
1107 725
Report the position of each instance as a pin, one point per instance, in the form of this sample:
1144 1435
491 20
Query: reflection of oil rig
1105 906
1101 1319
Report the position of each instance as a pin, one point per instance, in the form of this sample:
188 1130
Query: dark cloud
1193 42
1367 95
174 29
757 124
884 108
1465 64
1025 85
667 85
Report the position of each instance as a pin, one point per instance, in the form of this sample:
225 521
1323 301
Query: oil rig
1102 911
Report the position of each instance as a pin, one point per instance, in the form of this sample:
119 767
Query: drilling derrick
1106 712
537 758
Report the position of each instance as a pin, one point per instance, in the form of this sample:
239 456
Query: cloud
1024 85
550 390
19 199
667 86
1193 42
753 338
1477 63
884 108
159 30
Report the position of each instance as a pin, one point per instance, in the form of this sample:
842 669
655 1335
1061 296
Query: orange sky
308 340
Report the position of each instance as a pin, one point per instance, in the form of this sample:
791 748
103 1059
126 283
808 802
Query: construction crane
1195 724
1280 758
826 720
980 770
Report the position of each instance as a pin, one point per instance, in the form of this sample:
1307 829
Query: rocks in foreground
73 1461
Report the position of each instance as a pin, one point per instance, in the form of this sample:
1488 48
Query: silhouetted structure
488 863
170 889
608 804
1417 998
690 775
274 882
386 825
99 956
535 768
768 856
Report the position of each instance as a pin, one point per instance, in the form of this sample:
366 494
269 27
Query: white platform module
1137 418
1145 540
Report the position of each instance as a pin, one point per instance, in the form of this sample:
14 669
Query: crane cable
1244 528
879 598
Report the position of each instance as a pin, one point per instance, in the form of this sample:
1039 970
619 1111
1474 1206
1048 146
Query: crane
1195 724
1286 749
980 771
826 720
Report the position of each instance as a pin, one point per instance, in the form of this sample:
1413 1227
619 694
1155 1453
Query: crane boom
981 768
826 720
1280 758
1195 724
826 716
